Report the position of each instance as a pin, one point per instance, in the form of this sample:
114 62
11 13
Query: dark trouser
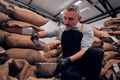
88 65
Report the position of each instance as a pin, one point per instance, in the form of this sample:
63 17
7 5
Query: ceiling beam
106 6
29 2
94 19
91 21
95 6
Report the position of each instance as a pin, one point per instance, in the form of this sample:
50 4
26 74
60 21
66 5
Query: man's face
71 18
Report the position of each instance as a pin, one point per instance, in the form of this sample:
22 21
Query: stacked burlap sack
18 54
108 39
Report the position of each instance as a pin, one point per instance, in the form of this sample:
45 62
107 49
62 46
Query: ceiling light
78 2
84 9
61 12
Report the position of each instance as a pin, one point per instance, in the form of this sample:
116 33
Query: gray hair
73 8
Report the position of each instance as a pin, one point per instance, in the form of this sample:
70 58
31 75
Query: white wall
100 23
50 25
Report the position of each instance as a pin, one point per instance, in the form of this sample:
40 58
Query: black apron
70 41
90 62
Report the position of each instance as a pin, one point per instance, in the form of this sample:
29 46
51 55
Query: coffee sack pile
17 50
108 40
17 25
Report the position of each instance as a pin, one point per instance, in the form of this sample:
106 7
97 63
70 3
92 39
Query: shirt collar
77 27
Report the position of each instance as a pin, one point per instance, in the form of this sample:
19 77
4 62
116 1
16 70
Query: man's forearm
77 55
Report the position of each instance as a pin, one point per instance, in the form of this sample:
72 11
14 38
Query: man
78 59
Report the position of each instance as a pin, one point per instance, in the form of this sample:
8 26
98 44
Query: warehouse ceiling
91 10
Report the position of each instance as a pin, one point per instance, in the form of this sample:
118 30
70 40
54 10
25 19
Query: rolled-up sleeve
87 39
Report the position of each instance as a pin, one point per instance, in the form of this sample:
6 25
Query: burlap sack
108 47
109 54
106 39
53 44
117 32
12 78
53 60
2 49
97 43
28 16
108 74
100 34
16 69
53 53
6 7
111 21
104 34
3 36
111 28
46 69
108 67
103 72
20 27
3 17
96 32
110 62
23 41
60 56
3 56
32 56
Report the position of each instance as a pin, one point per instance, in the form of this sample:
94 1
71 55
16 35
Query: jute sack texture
6 7
22 14
97 43
26 15
20 27
23 41
3 17
32 56
3 36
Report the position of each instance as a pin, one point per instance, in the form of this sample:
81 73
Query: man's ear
79 18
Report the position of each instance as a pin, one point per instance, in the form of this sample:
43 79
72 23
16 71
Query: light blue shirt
87 32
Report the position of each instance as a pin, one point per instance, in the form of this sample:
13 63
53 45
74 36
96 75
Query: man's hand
35 36
64 61
62 65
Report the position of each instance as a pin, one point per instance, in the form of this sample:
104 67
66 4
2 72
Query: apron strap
82 26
